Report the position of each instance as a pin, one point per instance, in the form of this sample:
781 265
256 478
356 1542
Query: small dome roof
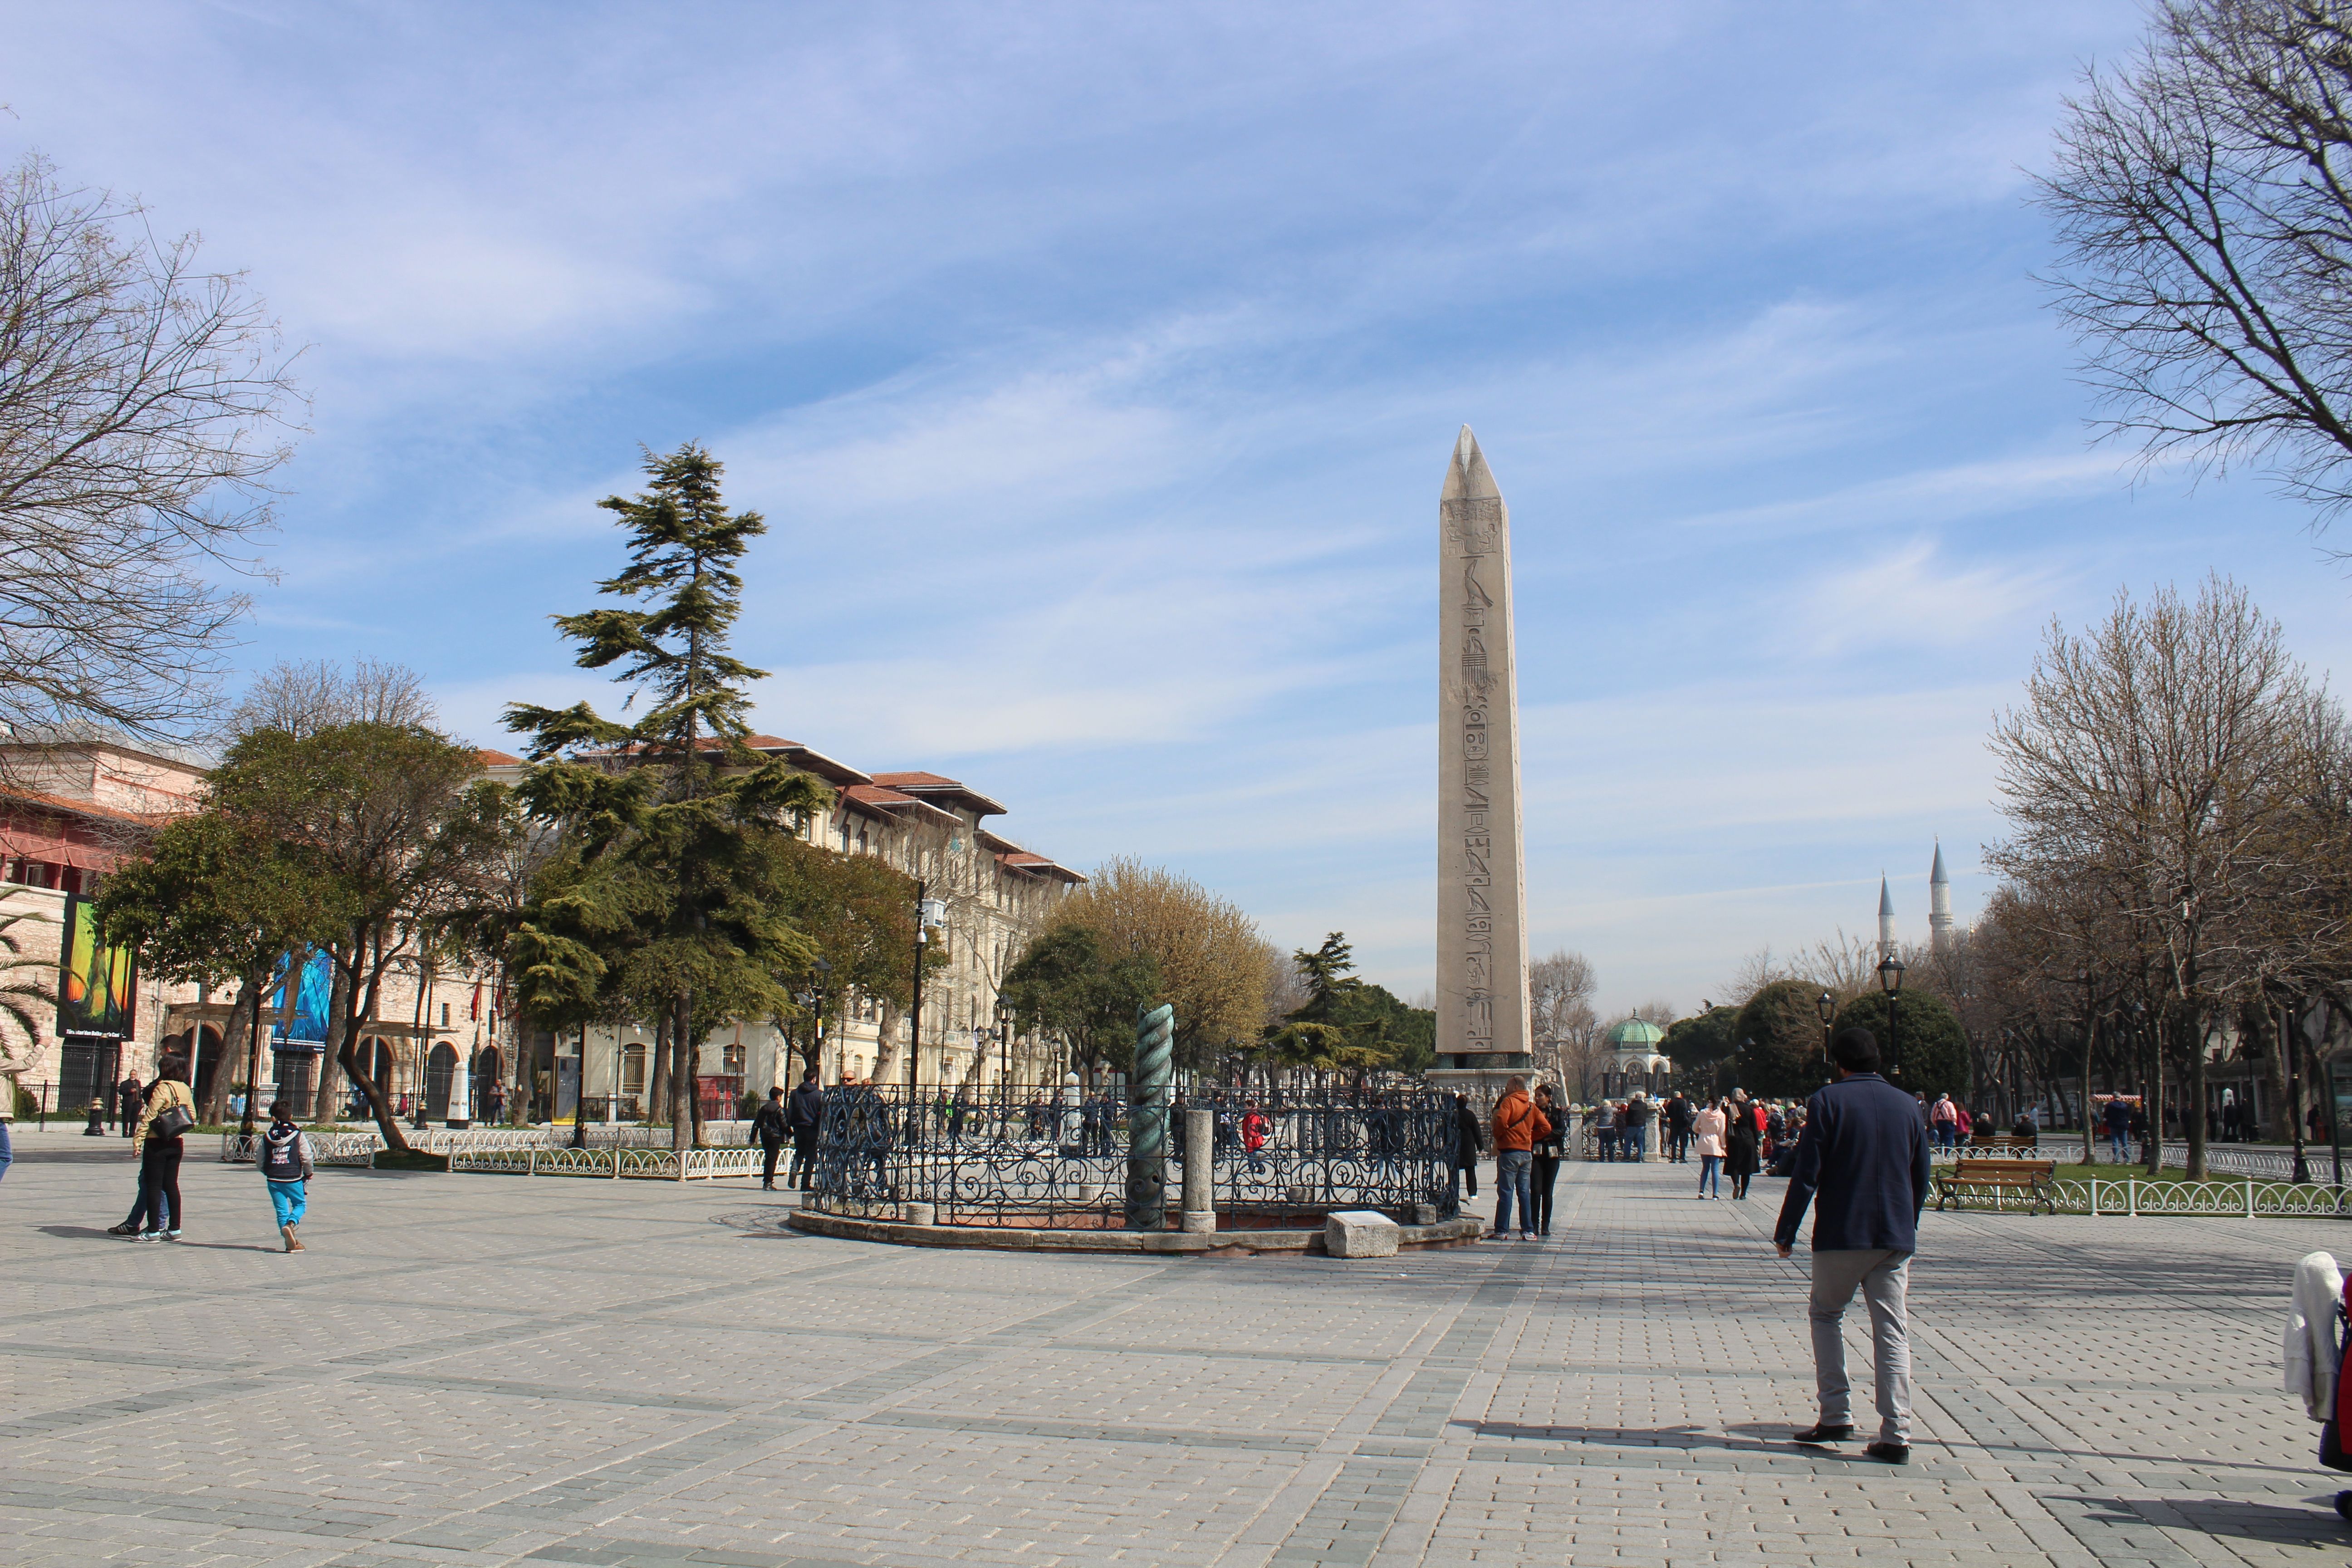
1635 1033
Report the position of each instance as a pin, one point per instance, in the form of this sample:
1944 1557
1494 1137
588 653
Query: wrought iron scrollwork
1056 1158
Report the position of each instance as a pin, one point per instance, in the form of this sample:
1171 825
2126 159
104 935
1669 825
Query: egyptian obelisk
1481 905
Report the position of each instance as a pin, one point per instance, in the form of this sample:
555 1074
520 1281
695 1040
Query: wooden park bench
2028 1179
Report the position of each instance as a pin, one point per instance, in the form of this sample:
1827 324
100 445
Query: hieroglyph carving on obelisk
1481 944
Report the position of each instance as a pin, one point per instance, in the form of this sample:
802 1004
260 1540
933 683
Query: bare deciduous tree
2203 194
143 404
302 697
2151 765
1568 1045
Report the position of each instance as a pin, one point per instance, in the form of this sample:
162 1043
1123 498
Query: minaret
1939 904
1885 921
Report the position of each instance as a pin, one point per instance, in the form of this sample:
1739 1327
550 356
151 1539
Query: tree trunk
2154 1104
681 1075
886 1044
329 1087
658 1084
232 1054
250 1002
2193 1115
359 1000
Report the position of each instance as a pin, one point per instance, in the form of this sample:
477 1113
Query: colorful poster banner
301 1022
97 986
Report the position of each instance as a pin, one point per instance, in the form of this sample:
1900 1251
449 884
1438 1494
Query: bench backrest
1988 1169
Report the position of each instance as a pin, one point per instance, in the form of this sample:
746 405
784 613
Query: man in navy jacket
1862 1163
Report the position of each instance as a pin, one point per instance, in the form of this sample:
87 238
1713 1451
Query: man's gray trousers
1883 1277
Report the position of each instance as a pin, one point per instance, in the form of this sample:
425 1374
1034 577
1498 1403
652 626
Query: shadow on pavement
2264 1521
79 1232
1772 1439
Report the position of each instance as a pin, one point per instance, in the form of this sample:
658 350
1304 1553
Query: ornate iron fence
1057 1159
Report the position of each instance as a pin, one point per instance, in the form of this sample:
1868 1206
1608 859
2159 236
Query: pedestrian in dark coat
1549 1150
1466 1132
130 1099
768 1129
1741 1157
804 1118
1862 1164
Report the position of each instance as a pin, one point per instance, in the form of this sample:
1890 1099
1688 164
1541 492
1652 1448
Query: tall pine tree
672 818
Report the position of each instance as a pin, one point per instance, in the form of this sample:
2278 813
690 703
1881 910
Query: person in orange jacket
1519 1126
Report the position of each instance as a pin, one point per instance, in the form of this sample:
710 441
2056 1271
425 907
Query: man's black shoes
1890 1453
1824 1434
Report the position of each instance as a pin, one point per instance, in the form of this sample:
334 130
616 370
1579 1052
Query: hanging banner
96 985
298 1021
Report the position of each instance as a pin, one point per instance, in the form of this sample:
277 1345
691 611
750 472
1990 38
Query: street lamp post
1827 1005
2294 1089
812 1000
928 912
1004 1041
1890 980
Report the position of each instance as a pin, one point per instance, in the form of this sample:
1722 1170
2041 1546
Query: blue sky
1096 368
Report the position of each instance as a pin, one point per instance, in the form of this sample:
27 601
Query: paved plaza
487 1370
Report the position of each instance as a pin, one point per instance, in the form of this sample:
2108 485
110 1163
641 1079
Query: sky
1095 369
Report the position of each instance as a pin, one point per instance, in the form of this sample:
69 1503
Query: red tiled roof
490 759
943 787
1039 866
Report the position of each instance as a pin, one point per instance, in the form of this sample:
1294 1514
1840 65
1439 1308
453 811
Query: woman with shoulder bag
171 1111
1551 1149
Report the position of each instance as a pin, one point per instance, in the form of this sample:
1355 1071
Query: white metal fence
468 1147
615 1162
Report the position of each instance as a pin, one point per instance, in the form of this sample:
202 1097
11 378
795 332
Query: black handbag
171 1123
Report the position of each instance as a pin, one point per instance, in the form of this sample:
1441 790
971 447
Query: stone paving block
487 1371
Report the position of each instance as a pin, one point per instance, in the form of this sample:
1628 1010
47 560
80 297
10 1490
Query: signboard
96 985
299 1022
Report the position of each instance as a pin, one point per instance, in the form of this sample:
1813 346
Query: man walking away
1518 1125
803 1118
1466 1146
285 1161
768 1125
2117 1116
1678 1129
1945 1118
1863 1162
1604 1131
171 1110
1633 1127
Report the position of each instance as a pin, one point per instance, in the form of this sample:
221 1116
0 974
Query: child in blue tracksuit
285 1161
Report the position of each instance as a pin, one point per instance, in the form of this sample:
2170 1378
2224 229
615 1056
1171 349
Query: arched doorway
440 1068
206 1042
379 1061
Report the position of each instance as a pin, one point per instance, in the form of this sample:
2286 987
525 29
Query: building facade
996 895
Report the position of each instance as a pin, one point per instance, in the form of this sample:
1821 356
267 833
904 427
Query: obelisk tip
1468 475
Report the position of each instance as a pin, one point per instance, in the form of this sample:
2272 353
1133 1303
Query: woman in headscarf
1740 1157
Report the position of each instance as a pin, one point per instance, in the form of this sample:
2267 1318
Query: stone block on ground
1359 1233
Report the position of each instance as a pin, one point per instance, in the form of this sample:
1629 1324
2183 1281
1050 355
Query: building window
444 1014
633 1069
730 1061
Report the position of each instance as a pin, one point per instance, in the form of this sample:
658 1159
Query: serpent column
1146 1119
